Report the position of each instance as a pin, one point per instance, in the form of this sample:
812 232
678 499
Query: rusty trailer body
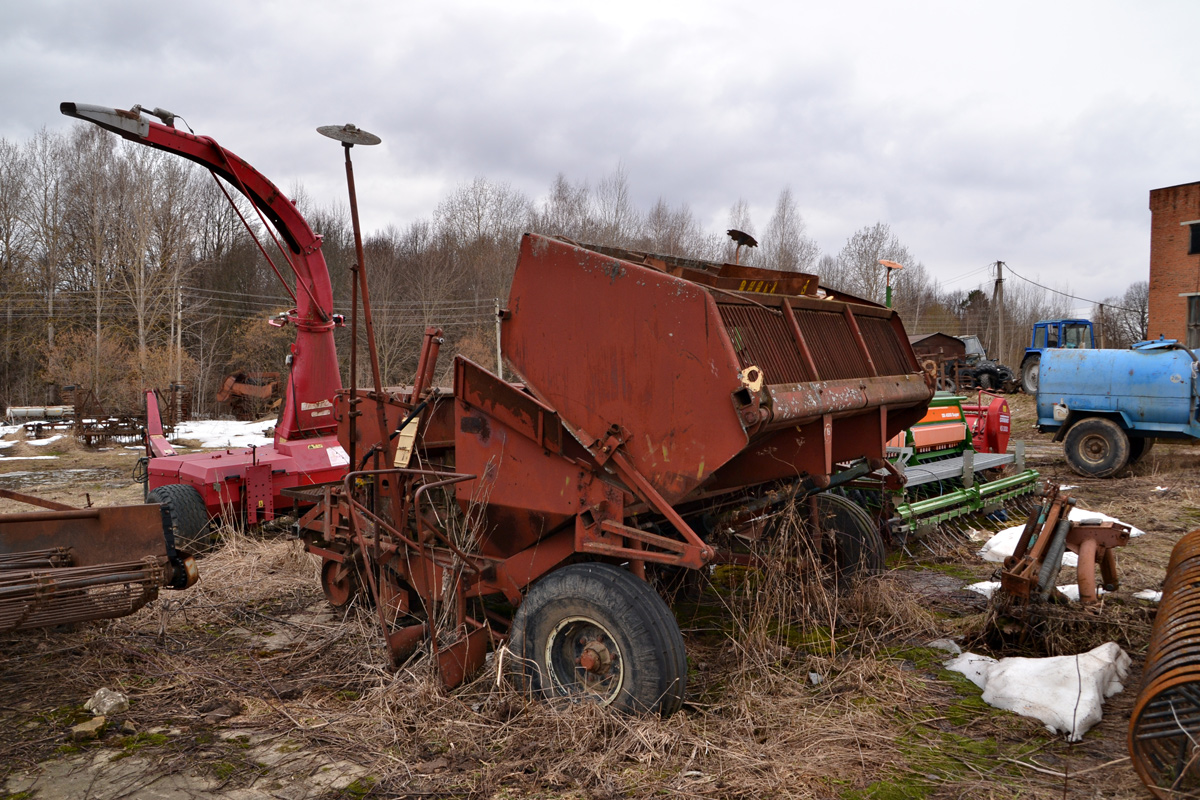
64 564
661 408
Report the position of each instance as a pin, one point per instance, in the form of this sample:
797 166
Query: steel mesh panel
833 348
762 337
884 346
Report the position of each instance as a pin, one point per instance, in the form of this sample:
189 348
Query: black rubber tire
1139 446
1096 447
988 379
186 507
859 548
1029 375
583 609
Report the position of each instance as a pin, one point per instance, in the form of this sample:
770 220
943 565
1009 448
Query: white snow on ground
8 430
1162 488
1064 692
1002 545
986 588
1071 590
224 433
43 442
6 445
1148 594
27 458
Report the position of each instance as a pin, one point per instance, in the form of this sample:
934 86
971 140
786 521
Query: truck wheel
1138 447
186 507
988 380
858 545
595 632
1096 447
1029 375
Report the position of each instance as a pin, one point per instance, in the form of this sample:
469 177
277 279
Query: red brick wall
1172 270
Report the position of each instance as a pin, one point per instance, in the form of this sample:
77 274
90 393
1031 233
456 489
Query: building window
1193 322
1194 240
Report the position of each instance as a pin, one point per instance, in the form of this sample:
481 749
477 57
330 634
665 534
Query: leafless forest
123 267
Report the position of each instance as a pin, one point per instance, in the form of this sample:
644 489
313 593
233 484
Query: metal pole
349 136
499 357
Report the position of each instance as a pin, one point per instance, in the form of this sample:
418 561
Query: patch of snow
1162 488
946 644
1002 545
6 445
1148 594
1064 692
1068 486
43 442
1071 590
27 458
984 588
225 433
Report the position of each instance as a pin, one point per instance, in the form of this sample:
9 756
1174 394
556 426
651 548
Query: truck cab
1050 334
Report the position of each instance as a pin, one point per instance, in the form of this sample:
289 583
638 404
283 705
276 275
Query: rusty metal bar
32 500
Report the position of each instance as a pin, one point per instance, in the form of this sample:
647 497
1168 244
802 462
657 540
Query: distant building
1175 263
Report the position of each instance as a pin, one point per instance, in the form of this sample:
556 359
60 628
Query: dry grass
798 688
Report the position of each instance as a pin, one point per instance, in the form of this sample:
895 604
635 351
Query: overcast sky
1029 132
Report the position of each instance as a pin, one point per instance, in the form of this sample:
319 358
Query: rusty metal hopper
709 375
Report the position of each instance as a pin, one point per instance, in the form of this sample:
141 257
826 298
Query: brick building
1175 263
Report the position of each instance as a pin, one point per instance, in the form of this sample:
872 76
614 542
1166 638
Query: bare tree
617 220
566 211
785 244
858 261
1124 320
739 219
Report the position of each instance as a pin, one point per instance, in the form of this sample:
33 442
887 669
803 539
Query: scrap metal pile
1031 572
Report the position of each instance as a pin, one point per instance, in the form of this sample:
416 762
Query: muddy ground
249 686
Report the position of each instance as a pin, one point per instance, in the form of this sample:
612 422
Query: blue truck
1051 334
1108 406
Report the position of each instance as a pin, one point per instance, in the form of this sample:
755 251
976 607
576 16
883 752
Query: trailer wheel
1139 446
186 507
1029 375
595 632
857 544
1096 447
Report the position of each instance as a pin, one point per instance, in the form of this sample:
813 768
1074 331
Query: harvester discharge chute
959 473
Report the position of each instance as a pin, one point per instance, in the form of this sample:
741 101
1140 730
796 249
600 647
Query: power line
1073 297
984 268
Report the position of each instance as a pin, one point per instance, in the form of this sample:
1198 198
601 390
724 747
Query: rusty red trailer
661 406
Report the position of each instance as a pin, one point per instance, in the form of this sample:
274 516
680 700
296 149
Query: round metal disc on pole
348 134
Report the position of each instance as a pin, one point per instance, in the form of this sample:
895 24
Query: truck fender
1074 416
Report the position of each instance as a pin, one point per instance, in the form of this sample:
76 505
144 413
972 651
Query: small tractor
1049 334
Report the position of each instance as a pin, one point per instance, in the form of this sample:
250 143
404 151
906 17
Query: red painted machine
249 481
664 409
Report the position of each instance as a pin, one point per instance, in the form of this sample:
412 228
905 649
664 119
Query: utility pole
998 304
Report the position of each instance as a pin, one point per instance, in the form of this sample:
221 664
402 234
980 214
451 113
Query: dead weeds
798 687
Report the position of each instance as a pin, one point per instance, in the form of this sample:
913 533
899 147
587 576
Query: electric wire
1067 294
